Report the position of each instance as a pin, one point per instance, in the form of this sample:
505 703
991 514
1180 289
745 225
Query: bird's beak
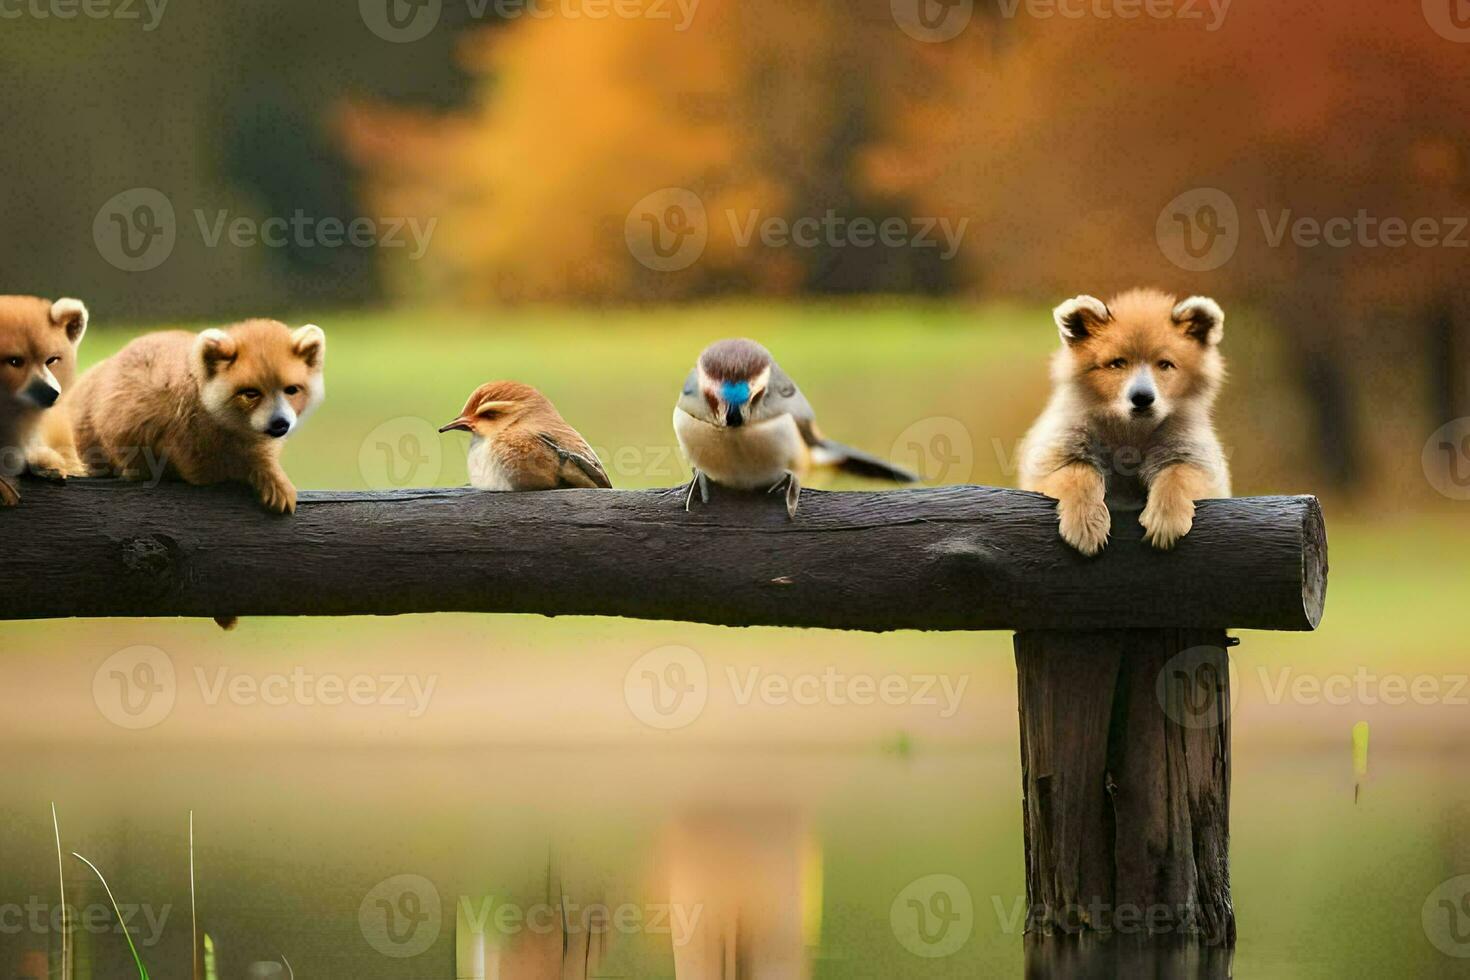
460 424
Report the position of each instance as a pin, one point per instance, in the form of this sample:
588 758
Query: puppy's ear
71 315
213 349
310 344
1202 319
1080 317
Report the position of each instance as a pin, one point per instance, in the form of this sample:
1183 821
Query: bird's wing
576 467
783 397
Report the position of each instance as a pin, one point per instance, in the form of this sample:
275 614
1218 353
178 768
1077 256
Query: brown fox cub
205 408
38 359
1129 420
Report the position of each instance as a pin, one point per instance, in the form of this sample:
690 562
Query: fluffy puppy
205 408
1129 421
38 359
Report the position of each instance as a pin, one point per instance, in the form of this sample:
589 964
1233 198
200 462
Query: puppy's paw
9 492
48 464
1166 519
1085 524
277 494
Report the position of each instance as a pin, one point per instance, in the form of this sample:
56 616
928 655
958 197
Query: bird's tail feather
858 463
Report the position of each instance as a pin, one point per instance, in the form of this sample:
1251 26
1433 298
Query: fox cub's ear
310 344
1078 318
71 315
1202 319
214 349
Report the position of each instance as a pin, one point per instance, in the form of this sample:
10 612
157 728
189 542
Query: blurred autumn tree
1070 142
758 107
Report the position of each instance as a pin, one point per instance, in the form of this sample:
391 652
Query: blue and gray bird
743 423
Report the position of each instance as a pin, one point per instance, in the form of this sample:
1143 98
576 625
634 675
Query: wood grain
951 558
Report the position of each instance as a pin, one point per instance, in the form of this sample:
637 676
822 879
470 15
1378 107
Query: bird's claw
792 486
700 482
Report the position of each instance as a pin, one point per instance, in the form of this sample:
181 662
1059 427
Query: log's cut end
946 558
1314 562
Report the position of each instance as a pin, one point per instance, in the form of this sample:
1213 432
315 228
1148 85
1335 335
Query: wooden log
1125 762
951 558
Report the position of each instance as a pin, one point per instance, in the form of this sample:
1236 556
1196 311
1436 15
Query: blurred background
891 195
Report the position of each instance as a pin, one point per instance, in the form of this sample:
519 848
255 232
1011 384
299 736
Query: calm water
338 858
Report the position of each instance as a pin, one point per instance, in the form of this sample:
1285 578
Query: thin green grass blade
142 970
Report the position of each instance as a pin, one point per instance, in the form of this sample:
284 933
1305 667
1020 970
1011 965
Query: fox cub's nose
278 427
42 393
1142 399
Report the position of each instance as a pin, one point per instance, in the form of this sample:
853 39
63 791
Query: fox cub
206 408
38 359
1129 420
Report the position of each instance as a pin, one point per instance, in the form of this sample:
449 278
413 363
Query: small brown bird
519 441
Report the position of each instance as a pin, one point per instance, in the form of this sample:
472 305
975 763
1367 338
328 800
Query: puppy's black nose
1142 399
277 428
42 393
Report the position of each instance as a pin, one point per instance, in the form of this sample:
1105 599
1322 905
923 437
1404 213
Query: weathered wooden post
1125 745
1124 680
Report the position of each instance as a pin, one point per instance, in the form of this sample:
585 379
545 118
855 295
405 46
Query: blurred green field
529 747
